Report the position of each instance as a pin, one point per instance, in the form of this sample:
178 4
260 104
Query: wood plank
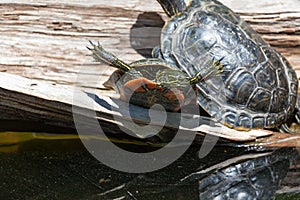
46 40
43 51
60 105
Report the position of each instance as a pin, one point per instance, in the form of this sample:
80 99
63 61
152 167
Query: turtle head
174 7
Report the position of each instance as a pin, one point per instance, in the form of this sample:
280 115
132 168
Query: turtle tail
173 7
101 55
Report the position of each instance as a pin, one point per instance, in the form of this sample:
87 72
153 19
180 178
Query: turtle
257 87
151 81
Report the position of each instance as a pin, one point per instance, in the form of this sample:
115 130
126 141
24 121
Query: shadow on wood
145 33
45 42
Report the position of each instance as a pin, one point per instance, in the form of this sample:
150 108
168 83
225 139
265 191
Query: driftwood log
43 51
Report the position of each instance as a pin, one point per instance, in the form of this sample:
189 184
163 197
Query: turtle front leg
292 124
214 68
101 55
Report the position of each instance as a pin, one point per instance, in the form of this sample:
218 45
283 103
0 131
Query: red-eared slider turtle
152 81
257 88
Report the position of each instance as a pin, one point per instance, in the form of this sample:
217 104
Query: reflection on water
37 166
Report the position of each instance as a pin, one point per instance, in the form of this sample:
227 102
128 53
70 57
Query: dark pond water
41 166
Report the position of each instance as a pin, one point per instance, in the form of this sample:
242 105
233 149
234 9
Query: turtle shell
150 82
257 88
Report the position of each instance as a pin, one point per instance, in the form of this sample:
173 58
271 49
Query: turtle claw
287 127
91 43
284 128
89 48
213 68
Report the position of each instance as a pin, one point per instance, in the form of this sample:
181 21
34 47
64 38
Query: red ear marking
136 85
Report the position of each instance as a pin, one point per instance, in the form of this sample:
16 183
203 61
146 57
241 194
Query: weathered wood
45 42
34 101
57 105
46 39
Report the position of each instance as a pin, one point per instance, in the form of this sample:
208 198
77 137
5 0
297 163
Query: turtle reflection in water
225 174
238 78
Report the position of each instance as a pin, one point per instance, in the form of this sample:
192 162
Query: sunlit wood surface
43 47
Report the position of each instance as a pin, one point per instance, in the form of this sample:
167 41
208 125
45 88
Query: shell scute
257 87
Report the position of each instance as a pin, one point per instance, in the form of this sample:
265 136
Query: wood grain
43 52
46 40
